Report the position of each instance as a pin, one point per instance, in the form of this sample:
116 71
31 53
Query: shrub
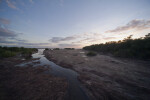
6 54
69 48
56 49
27 53
91 53
12 51
46 49
128 47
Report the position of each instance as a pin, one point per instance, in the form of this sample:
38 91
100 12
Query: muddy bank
107 78
29 83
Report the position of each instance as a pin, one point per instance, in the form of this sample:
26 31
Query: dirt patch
106 77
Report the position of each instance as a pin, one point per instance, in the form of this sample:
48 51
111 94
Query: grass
6 52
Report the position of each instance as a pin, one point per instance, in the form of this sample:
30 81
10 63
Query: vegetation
91 53
46 49
12 51
69 48
56 48
128 47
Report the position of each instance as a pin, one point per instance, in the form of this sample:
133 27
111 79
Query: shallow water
75 90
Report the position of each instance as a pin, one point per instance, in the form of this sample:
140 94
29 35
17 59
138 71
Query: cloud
77 40
32 44
17 39
83 36
9 37
22 43
69 45
7 33
109 38
4 21
11 4
2 39
61 2
134 24
31 1
60 39
55 39
80 40
11 40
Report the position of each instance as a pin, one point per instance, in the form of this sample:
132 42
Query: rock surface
106 77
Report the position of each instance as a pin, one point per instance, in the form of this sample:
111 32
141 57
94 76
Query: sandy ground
29 83
106 77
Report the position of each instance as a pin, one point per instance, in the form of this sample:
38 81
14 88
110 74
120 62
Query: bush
12 51
56 49
129 48
46 49
69 48
91 53
6 54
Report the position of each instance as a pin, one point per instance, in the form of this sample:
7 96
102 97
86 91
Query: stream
76 90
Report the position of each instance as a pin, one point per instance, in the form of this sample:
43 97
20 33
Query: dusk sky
71 23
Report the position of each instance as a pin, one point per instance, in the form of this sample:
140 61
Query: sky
71 23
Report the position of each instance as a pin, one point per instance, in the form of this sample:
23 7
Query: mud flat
106 77
29 83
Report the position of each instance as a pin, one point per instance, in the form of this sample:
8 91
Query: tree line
128 47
